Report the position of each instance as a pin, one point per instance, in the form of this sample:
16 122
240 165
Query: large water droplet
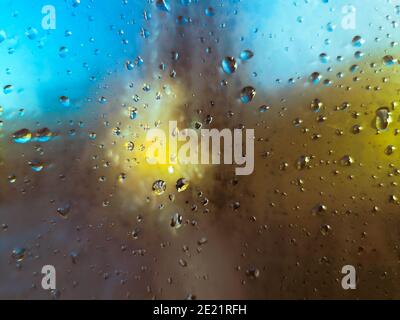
358 41
159 187
163 5
383 119
229 65
182 184
389 60
22 136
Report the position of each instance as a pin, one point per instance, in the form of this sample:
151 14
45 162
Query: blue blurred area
34 68
286 36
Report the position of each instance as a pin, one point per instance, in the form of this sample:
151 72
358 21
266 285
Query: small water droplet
176 221
315 78
316 105
7 89
210 12
182 184
31 33
247 94
63 52
303 162
36 165
246 55
358 41
18 254
326 229
64 210
346 161
64 100
390 149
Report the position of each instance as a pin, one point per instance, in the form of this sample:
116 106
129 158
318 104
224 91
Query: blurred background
83 81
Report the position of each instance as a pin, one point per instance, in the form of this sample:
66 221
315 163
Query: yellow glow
140 173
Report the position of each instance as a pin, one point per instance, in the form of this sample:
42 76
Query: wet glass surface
82 82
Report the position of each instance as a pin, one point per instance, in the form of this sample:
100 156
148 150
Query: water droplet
31 33
183 263
176 221
210 12
229 65
383 119
330 27
319 208
324 58
202 241
133 114
253 273
3 36
390 149
247 94
389 60
182 184
74 257
121 177
7 89
303 162
63 52
130 146
22 136
246 55
43 135
36 166
159 187
102 100
344 106
129 65
393 198
326 229
138 61
18 254
163 5
358 41
346 161
64 100
136 233
316 105
315 78
356 129
263 108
